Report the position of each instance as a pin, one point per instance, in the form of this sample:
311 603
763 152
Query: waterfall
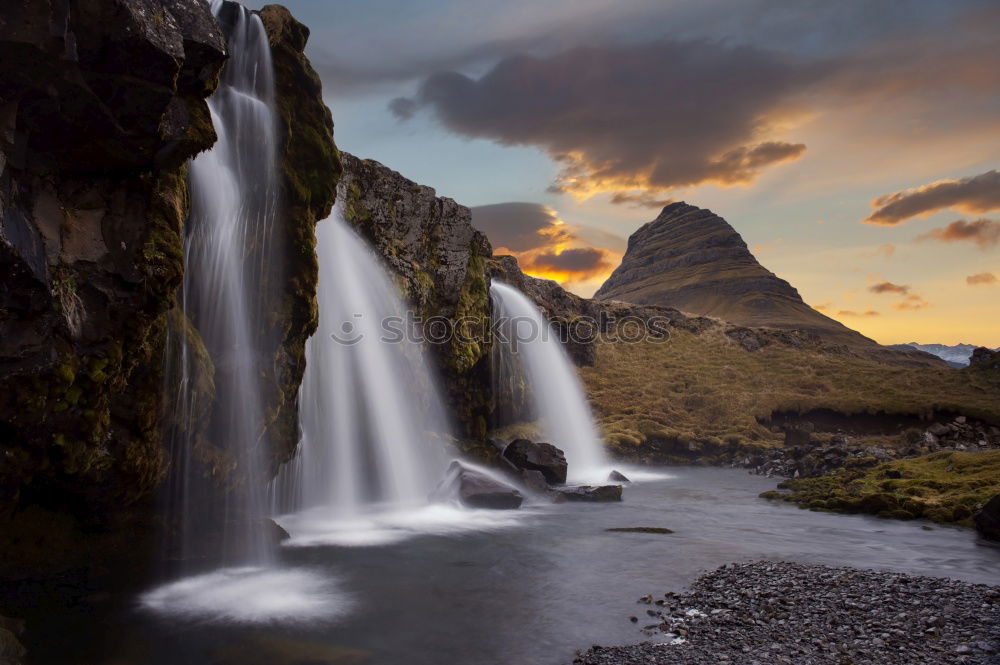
528 350
228 257
373 431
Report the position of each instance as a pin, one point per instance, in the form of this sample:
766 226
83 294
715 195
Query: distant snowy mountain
957 355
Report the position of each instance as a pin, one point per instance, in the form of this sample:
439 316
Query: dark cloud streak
984 232
651 117
976 194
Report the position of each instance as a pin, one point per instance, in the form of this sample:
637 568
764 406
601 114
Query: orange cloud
975 194
569 265
546 246
848 312
983 232
886 251
889 287
981 278
911 303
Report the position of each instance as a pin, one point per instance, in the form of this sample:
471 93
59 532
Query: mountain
692 259
956 355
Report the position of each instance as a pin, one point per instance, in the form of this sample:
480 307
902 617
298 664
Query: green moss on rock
945 486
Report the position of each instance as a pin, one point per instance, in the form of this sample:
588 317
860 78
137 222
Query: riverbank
782 612
946 486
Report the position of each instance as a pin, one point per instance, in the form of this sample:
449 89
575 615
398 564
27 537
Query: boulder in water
476 489
987 519
601 493
618 477
538 456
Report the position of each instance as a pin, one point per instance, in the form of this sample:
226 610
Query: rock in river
589 493
476 489
988 519
618 477
543 457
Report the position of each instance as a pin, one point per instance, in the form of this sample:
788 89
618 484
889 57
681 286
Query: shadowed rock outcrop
310 168
101 104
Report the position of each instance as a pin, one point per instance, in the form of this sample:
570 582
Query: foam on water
388 526
254 595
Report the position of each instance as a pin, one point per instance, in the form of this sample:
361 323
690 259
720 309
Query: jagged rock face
439 258
101 104
983 358
310 168
692 259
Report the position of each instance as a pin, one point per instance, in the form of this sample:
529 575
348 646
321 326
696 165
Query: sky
854 145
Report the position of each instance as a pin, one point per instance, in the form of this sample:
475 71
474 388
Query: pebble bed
766 613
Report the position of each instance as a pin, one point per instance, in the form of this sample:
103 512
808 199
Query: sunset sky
854 145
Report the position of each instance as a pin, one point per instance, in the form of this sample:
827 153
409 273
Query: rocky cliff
310 169
439 259
101 104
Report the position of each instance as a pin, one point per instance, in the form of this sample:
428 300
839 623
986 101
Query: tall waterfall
529 350
372 426
228 263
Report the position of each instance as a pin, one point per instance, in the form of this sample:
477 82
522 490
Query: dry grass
704 387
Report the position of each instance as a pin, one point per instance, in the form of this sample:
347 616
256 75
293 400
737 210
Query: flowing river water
529 587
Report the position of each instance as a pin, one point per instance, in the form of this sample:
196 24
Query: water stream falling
233 206
529 350
373 431
231 252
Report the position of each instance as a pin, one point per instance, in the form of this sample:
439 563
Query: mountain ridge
693 259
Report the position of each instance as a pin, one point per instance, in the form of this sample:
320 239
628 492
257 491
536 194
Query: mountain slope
692 259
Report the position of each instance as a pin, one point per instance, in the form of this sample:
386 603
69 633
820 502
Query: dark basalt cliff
310 169
102 102
692 259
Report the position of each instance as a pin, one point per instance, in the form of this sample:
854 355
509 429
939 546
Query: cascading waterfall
373 431
228 262
230 255
527 349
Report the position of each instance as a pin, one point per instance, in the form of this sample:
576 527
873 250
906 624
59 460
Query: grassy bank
703 390
944 486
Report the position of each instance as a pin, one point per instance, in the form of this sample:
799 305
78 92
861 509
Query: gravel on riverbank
770 613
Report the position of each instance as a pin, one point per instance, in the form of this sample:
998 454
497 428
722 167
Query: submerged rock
641 529
618 477
542 457
590 493
12 652
988 519
270 649
476 489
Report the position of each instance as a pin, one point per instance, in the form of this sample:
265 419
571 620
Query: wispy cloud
911 303
975 194
867 313
981 278
984 232
889 287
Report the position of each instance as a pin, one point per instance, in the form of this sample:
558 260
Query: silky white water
530 350
232 256
233 205
373 431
